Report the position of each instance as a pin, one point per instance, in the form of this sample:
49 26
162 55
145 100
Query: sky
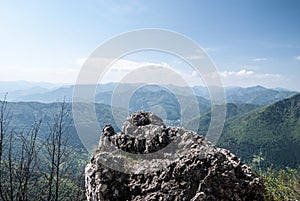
251 42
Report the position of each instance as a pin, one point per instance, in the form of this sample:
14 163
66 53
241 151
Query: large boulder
192 169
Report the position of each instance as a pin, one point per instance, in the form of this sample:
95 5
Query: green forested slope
233 111
268 136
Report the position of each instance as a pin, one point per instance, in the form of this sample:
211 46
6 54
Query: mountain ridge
257 95
271 132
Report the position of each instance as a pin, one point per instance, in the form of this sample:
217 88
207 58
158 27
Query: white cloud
119 69
241 73
127 65
244 72
247 74
260 59
133 71
246 78
297 57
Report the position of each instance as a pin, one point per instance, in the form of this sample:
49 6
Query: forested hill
270 135
261 135
24 114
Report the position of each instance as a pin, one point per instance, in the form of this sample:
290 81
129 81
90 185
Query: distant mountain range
257 95
14 86
48 93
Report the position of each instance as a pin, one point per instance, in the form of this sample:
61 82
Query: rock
191 169
108 131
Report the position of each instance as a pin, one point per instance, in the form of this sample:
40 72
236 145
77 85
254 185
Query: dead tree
5 118
57 150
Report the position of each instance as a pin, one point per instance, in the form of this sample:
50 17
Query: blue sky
251 42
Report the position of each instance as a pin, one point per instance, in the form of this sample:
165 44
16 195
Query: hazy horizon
57 85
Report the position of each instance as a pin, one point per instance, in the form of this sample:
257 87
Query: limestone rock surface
191 169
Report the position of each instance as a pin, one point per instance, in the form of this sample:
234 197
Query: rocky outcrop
149 161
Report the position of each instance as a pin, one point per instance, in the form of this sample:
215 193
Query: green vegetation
30 139
281 185
233 111
40 166
272 133
263 136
